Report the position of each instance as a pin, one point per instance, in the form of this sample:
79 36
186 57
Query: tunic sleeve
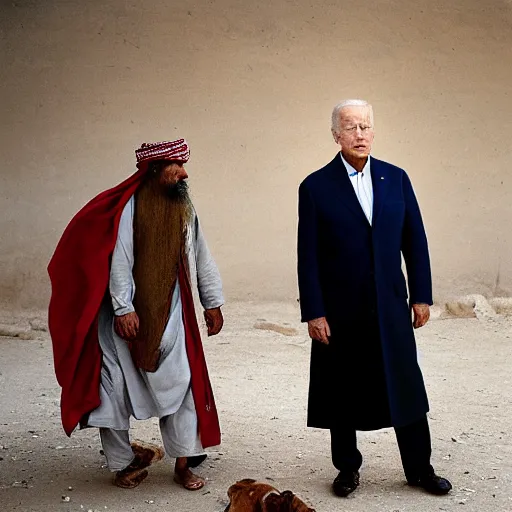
208 277
122 286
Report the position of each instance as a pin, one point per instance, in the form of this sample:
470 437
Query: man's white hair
335 118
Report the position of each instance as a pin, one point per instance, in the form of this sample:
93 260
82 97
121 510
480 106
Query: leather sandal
193 484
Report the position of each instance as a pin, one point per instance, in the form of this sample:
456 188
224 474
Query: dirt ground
260 378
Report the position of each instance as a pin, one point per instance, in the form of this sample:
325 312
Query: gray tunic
129 391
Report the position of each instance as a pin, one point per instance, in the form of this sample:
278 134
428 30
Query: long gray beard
178 193
178 190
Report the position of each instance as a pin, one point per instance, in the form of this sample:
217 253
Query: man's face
355 132
172 173
172 178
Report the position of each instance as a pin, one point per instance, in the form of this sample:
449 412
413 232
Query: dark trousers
413 442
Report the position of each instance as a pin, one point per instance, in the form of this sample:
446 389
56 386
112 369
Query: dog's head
251 496
284 502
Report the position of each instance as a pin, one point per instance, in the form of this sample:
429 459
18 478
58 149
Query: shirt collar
351 171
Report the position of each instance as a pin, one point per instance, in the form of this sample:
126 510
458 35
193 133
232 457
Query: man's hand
127 326
421 315
214 321
319 330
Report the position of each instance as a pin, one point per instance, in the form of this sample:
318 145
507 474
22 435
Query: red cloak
79 272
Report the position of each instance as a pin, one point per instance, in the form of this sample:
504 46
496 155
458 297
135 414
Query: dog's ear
279 502
295 503
272 503
289 500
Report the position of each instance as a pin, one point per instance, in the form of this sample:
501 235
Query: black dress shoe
345 483
432 483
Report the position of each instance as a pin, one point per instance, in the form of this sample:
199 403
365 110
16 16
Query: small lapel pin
382 177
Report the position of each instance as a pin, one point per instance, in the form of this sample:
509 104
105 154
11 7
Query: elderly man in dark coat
357 216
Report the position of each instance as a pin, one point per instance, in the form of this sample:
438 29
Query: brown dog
251 496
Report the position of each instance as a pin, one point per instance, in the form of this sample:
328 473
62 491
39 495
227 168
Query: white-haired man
357 217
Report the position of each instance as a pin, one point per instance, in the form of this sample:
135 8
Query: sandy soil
260 378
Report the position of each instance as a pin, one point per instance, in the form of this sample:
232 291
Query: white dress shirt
362 183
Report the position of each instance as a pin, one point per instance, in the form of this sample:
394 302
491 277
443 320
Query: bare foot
188 480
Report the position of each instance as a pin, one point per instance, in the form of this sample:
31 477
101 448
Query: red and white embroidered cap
168 150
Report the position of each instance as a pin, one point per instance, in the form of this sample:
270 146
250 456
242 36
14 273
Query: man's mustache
178 190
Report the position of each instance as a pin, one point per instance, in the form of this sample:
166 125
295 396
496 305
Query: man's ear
335 136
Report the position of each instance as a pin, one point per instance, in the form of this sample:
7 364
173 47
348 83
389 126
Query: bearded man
122 319
357 217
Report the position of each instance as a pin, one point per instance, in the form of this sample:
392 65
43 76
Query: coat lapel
348 196
380 183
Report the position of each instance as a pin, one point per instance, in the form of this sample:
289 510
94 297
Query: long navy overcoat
350 272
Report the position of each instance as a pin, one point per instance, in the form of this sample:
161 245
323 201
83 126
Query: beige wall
251 86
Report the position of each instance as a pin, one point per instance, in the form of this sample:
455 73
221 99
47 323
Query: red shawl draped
79 272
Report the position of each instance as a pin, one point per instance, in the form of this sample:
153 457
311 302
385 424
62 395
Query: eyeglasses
352 129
